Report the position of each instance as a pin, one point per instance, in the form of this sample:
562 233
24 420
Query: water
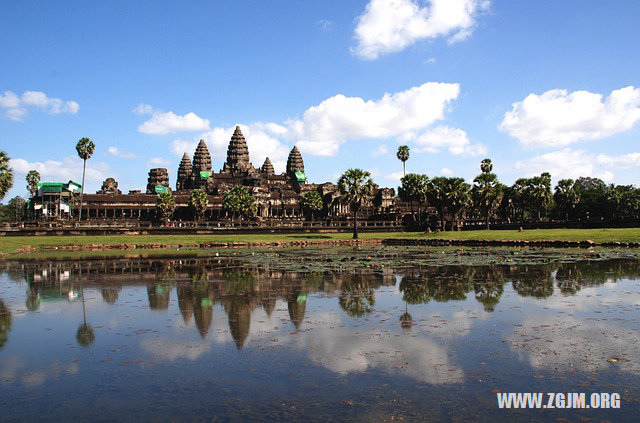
223 339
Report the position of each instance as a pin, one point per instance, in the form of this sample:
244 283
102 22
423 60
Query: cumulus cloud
157 161
406 115
391 25
63 171
559 118
163 123
17 106
453 139
568 163
116 152
380 150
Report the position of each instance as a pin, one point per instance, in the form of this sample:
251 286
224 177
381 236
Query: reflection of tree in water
488 285
533 281
33 298
357 296
406 321
5 323
84 335
415 290
110 294
571 277
159 295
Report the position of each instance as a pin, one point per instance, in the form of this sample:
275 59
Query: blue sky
535 86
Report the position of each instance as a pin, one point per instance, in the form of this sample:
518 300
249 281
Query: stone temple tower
295 166
267 168
185 169
237 154
201 169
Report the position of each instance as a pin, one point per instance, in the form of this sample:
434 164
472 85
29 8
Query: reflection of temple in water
239 290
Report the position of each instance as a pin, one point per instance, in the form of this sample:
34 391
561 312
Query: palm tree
413 189
33 179
165 204
457 197
356 188
6 174
239 202
566 197
403 156
199 202
85 148
311 202
487 191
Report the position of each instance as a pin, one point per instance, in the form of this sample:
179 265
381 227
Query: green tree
311 202
15 209
5 323
165 204
565 197
356 189
198 201
6 174
458 194
594 198
33 179
403 156
487 191
436 196
413 189
239 202
85 148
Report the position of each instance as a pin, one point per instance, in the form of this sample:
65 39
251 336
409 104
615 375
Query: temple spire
294 163
267 168
184 173
237 153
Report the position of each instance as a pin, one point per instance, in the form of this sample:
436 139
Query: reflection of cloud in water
590 298
15 368
582 345
343 351
170 350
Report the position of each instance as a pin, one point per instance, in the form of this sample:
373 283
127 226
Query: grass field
9 244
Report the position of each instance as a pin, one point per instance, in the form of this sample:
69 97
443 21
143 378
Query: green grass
9 244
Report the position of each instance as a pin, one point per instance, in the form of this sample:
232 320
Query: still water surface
223 339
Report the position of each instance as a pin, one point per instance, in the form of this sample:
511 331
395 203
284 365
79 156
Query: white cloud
559 118
454 139
446 171
157 162
380 150
339 118
63 171
115 151
16 106
405 115
391 25
393 177
162 123
567 163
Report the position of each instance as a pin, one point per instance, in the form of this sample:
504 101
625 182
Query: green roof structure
301 177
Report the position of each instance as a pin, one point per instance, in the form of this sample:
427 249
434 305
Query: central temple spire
237 153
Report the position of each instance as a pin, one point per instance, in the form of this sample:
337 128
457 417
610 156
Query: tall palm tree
85 148
356 188
6 175
487 190
457 198
403 156
33 179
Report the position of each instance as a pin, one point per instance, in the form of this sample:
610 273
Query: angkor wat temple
277 195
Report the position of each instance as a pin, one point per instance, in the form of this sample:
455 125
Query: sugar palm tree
198 202
33 179
403 156
356 188
85 148
6 174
